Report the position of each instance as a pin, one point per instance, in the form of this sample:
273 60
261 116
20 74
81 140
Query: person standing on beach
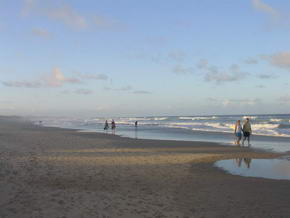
106 127
136 123
238 132
113 125
247 130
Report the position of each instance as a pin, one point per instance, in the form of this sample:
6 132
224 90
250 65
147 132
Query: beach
53 172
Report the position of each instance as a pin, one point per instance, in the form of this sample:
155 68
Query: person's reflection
246 160
239 161
136 133
136 129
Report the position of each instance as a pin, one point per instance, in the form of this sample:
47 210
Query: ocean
271 131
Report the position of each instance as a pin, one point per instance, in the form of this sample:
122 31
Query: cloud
124 88
141 92
83 91
157 41
67 15
281 59
41 33
29 5
182 70
92 76
260 86
202 64
220 77
55 79
129 89
23 84
284 99
177 56
77 91
103 22
213 74
62 13
245 101
263 7
6 105
235 102
266 76
251 61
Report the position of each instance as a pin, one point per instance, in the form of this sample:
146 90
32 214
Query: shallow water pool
261 168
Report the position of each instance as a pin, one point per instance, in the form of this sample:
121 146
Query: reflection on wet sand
264 168
247 161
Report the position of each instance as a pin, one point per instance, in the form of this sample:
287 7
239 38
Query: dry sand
50 172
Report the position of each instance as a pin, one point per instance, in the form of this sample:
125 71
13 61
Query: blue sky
153 57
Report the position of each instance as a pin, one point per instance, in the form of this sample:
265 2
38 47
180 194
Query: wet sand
51 172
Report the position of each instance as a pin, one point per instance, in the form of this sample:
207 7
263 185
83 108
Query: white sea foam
275 120
260 125
160 118
264 126
250 117
197 118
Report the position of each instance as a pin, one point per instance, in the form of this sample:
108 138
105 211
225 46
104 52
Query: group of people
244 130
113 125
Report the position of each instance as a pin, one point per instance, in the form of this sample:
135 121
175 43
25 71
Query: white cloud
128 89
103 22
263 7
29 5
284 99
235 102
182 70
83 91
245 101
55 79
281 59
266 76
23 84
67 15
177 56
251 61
124 88
41 33
213 74
6 106
93 76
62 13
141 92
202 64
221 77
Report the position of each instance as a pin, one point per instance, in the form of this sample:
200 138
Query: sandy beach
51 172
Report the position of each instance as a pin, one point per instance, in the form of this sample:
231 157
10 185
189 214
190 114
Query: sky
144 58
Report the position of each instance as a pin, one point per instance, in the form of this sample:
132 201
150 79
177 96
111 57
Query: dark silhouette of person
106 127
113 126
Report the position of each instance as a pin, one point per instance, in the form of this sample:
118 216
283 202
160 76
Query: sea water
271 131
261 168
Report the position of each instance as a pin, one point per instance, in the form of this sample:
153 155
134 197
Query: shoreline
271 143
55 172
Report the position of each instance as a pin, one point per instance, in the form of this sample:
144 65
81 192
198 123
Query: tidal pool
263 168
